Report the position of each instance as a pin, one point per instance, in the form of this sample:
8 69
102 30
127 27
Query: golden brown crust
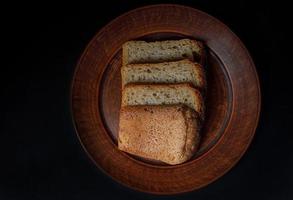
165 133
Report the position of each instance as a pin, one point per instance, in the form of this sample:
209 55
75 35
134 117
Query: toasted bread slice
161 51
167 133
166 72
160 94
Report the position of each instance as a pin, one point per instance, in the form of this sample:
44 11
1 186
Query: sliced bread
166 133
166 72
160 94
160 51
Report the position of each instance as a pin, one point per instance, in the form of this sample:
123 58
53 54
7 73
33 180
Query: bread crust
125 53
169 133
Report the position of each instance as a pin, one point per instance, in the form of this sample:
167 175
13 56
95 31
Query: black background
41 157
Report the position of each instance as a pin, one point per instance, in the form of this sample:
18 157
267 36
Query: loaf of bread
166 133
161 51
166 72
160 94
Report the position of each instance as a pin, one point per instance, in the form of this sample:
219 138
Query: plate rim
219 175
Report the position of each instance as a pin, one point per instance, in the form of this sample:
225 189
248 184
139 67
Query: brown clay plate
232 99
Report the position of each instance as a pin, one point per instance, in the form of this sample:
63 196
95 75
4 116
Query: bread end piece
166 133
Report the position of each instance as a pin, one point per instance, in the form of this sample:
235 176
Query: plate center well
218 97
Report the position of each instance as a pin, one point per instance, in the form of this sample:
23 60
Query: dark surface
41 157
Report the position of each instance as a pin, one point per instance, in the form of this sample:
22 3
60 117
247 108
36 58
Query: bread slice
160 51
160 94
166 72
166 133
